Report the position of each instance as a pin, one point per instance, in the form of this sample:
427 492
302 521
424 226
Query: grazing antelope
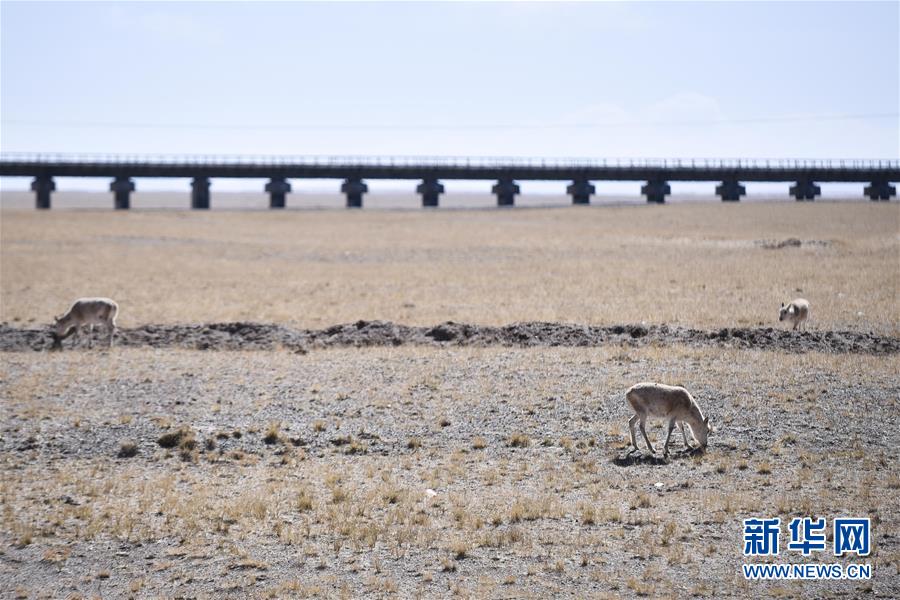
86 312
666 402
796 312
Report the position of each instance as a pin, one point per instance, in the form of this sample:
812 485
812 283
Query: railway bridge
802 176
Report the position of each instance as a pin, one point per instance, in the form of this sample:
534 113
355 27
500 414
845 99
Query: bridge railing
486 162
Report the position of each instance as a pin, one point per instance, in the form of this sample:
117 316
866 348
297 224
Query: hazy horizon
592 79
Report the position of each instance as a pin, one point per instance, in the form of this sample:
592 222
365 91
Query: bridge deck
355 170
336 167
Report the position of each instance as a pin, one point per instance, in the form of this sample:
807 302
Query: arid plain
434 470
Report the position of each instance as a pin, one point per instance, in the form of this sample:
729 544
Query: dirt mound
262 336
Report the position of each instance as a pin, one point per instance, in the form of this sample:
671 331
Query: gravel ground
430 469
244 336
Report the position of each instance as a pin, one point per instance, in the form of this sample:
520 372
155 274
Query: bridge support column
656 191
506 190
730 190
42 186
430 189
122 186
278 188
354 188
581 190
805 190
880 190
200 193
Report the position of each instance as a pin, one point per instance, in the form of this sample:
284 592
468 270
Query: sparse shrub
170 439
210 444
519 440
356 447
639 587
459 549
319 426
338 494
414 443
611 514
669 530
588 515
56 556
183 438
444 422
764 468
529 509
236 434
272 435
304 500
479 443
642 501
127 449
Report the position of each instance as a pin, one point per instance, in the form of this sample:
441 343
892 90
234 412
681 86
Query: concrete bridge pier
200 193
880 190
730 190
354 188
805 190
121 187
506 190
581 190
42 186
656 190
430 189
278 188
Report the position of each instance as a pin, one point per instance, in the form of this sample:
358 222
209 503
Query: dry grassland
428 472
701 265
417 471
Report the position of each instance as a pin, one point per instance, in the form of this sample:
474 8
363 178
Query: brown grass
413 468
695 265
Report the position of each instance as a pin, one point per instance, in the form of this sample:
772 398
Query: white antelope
796 312
86 312
666 402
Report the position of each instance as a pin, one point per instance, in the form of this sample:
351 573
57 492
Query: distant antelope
666 402
86 312
796 312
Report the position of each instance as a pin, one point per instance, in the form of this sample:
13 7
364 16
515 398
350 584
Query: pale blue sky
643 79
